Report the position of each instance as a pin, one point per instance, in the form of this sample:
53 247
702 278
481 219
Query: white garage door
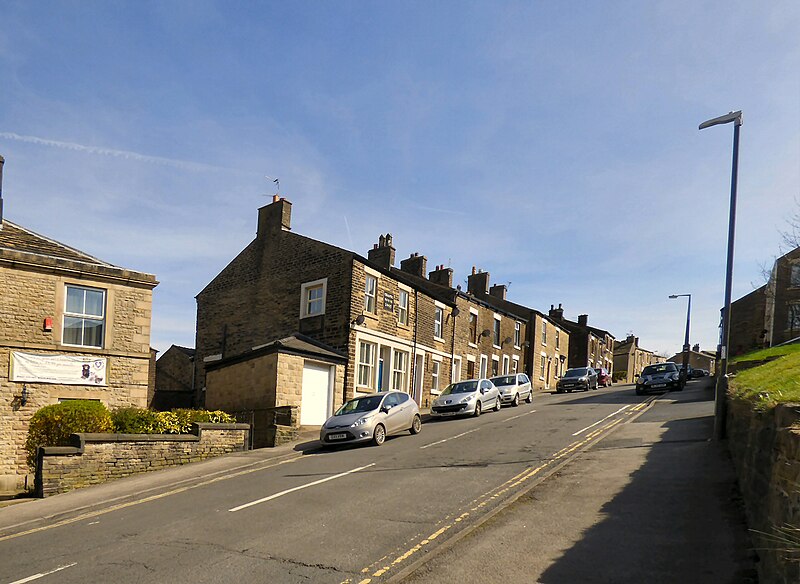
314 407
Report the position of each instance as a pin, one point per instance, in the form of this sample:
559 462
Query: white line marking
451 438
43 574
603 420
293 489
519 416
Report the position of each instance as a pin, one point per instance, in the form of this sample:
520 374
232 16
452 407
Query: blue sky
553 144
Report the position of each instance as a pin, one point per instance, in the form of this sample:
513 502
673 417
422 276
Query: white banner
65 369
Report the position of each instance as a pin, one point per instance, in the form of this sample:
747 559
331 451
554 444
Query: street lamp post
721 404
686 338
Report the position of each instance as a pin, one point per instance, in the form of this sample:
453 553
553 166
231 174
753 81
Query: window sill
496 346
302 316
436 392
438 339
517 347
473 345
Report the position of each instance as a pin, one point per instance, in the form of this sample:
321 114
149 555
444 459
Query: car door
406 412
524 384
490 395
391 406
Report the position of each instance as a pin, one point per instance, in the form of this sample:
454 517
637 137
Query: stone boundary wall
98 458
766 453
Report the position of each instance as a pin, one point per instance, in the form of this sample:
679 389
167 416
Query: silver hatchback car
466 398
513 388
371 418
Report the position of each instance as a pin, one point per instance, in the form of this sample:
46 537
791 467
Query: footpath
654 502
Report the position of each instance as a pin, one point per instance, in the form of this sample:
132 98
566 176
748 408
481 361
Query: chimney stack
275 217
498 291
583 319
415 264
382 253
557 312
696 348
478 282
442 276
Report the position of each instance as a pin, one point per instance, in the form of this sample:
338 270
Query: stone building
698 359
395 327
769 315
588 346
71 327
174 379
544 342
630 359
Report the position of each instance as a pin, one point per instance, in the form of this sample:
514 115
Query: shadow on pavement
678 519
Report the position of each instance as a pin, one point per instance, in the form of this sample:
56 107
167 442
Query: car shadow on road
678 518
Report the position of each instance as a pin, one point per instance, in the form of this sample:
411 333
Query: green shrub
52 425
135 421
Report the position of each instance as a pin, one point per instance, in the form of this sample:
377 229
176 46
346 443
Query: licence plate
657 385
340 436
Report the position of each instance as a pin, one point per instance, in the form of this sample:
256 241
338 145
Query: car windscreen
576 372
360 404
659 368
462 387
505 380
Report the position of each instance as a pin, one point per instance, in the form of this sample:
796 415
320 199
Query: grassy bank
774 382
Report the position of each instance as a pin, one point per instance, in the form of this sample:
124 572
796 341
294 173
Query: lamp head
726 119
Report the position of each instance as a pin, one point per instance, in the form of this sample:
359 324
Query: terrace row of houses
293 321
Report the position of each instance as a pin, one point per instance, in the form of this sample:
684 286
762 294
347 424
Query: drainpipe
414 352
2 162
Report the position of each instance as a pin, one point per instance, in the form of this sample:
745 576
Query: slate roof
16 238
296 344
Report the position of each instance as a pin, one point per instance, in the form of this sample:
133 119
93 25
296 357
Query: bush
135 421
52 425
178 421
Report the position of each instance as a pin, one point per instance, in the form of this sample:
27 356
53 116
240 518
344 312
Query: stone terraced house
71 327
364 325
588 346
630 359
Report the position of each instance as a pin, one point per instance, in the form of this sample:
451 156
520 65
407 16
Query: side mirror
483 391
385 409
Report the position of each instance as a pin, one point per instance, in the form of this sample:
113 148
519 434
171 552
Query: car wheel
477 409
416 425
529 399
515 403
497 404
379 435
559 390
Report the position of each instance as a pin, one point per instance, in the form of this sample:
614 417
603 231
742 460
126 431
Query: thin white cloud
124 154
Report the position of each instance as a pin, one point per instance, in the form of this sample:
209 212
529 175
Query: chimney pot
275 198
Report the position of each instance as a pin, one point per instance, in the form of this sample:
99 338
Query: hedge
53 425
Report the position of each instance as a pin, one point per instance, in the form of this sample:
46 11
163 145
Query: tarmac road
352 515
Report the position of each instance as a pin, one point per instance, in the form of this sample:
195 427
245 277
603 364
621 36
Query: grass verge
775 382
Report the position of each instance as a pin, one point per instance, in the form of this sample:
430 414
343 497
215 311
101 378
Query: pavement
656 502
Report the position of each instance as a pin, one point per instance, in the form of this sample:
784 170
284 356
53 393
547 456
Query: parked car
513 388
371 418
659 376
603 378
584 378
466 398
697 373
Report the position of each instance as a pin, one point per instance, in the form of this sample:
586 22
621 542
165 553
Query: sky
553 144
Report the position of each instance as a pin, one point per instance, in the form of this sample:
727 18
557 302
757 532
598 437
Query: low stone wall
766 452
98 458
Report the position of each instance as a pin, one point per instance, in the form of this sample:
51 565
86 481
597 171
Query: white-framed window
495 365
366 364
517 334
402 306
399 369
436 367
558 339
544 332
84 316
473 327
794 278
370 291
542 366
455 373
506 364
496 331
438 322
470 367
312 298
484 365
514 364
793 320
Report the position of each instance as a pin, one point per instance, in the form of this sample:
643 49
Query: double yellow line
493 494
